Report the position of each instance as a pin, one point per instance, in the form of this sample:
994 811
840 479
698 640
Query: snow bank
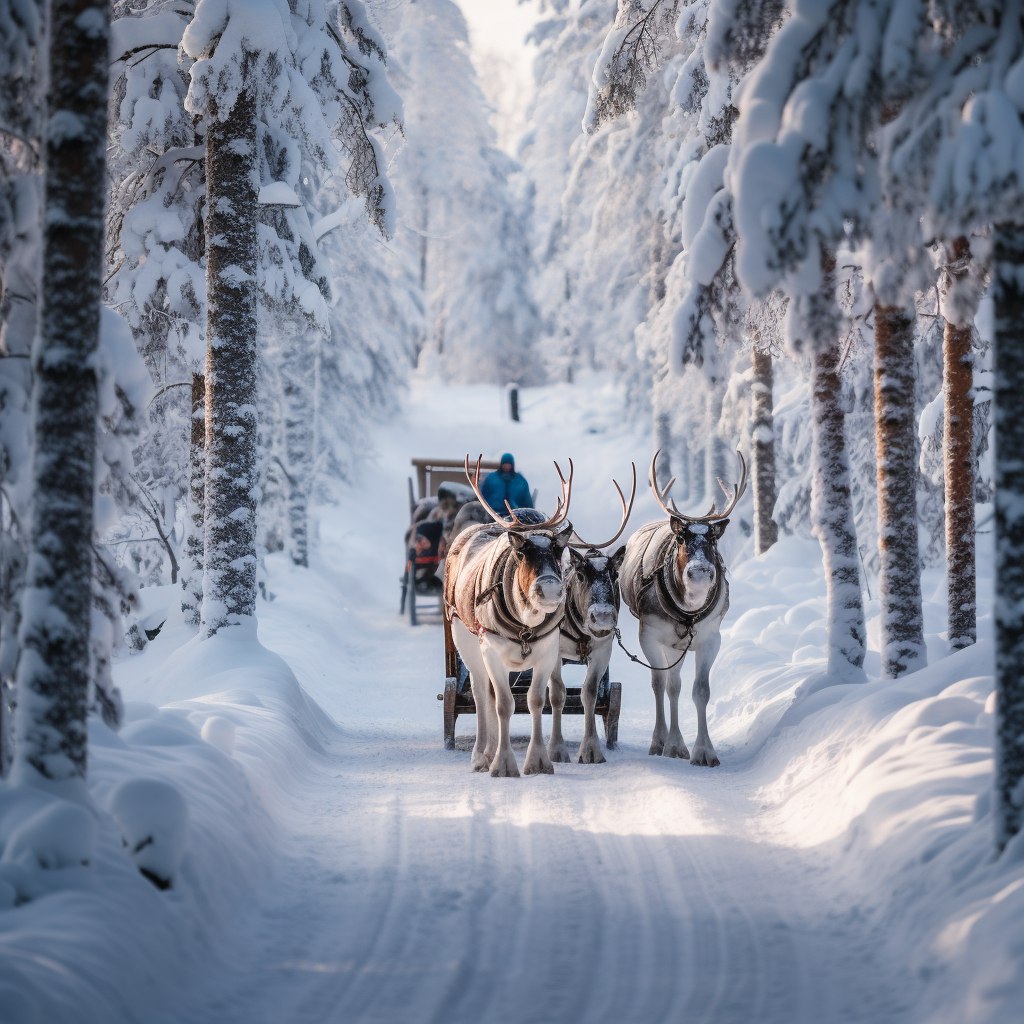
110 906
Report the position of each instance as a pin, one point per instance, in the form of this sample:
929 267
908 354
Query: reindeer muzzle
601 620
549 589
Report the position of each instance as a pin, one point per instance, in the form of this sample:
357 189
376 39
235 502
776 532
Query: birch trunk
232 474
902 642
832 515
766 530
958 469
54 669
1008 364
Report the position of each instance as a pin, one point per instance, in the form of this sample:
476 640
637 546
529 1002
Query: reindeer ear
516 540
718 528
615 561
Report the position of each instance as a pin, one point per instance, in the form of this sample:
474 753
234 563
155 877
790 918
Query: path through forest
411 889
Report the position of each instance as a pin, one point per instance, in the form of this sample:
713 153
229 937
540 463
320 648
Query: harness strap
504 569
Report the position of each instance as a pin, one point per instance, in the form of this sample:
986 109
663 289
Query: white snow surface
333 863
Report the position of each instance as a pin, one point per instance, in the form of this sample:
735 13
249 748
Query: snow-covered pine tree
309 75
155 277
21 106
338 95
465 213
54 670
234 50
952 151
805 181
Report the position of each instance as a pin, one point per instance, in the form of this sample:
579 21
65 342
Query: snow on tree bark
21 72
902 639
54 669
195 521
766 530
1008 293
232 473
958 468
832 515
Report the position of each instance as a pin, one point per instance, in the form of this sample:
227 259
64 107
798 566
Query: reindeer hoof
537 763
677 750
656 749
504 766
591 754
559 754
704 758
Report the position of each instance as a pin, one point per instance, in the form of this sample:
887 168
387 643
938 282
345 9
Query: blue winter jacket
499 487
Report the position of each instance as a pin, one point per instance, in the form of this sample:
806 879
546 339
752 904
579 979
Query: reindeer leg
674 745
557 750
654 654
537 760
486 732
590 745
703 751
503 764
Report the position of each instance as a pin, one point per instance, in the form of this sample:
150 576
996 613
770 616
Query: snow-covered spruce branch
631 51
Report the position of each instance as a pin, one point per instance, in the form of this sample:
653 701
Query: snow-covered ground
341 866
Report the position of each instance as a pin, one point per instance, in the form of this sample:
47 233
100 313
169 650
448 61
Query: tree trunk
1008 366
766 530
53 672
903 647
298 382
832 515
232 474
195 525
958 469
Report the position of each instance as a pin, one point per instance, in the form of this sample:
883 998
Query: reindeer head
697 562
537 542
595 589
595 575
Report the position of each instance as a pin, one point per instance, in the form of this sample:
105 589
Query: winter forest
257 256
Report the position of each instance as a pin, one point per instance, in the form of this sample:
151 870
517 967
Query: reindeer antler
517 525
626 509
712 514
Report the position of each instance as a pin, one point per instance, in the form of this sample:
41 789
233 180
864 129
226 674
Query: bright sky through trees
498 31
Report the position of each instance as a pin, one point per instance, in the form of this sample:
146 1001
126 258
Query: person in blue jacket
505 484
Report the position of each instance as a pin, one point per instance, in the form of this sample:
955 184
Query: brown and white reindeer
588 630
673 580
504 595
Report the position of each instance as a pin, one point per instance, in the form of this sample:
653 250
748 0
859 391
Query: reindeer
673 580
504 596
588 629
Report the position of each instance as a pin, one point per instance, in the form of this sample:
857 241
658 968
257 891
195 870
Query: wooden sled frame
458 696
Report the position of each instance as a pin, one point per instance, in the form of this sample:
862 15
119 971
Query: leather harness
669 596
510 627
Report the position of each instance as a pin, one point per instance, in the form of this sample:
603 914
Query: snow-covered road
410 889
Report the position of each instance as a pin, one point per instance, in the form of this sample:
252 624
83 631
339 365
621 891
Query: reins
640 661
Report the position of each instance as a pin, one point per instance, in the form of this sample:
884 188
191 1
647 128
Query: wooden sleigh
458 695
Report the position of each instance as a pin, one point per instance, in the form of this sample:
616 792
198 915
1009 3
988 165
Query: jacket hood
508 457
